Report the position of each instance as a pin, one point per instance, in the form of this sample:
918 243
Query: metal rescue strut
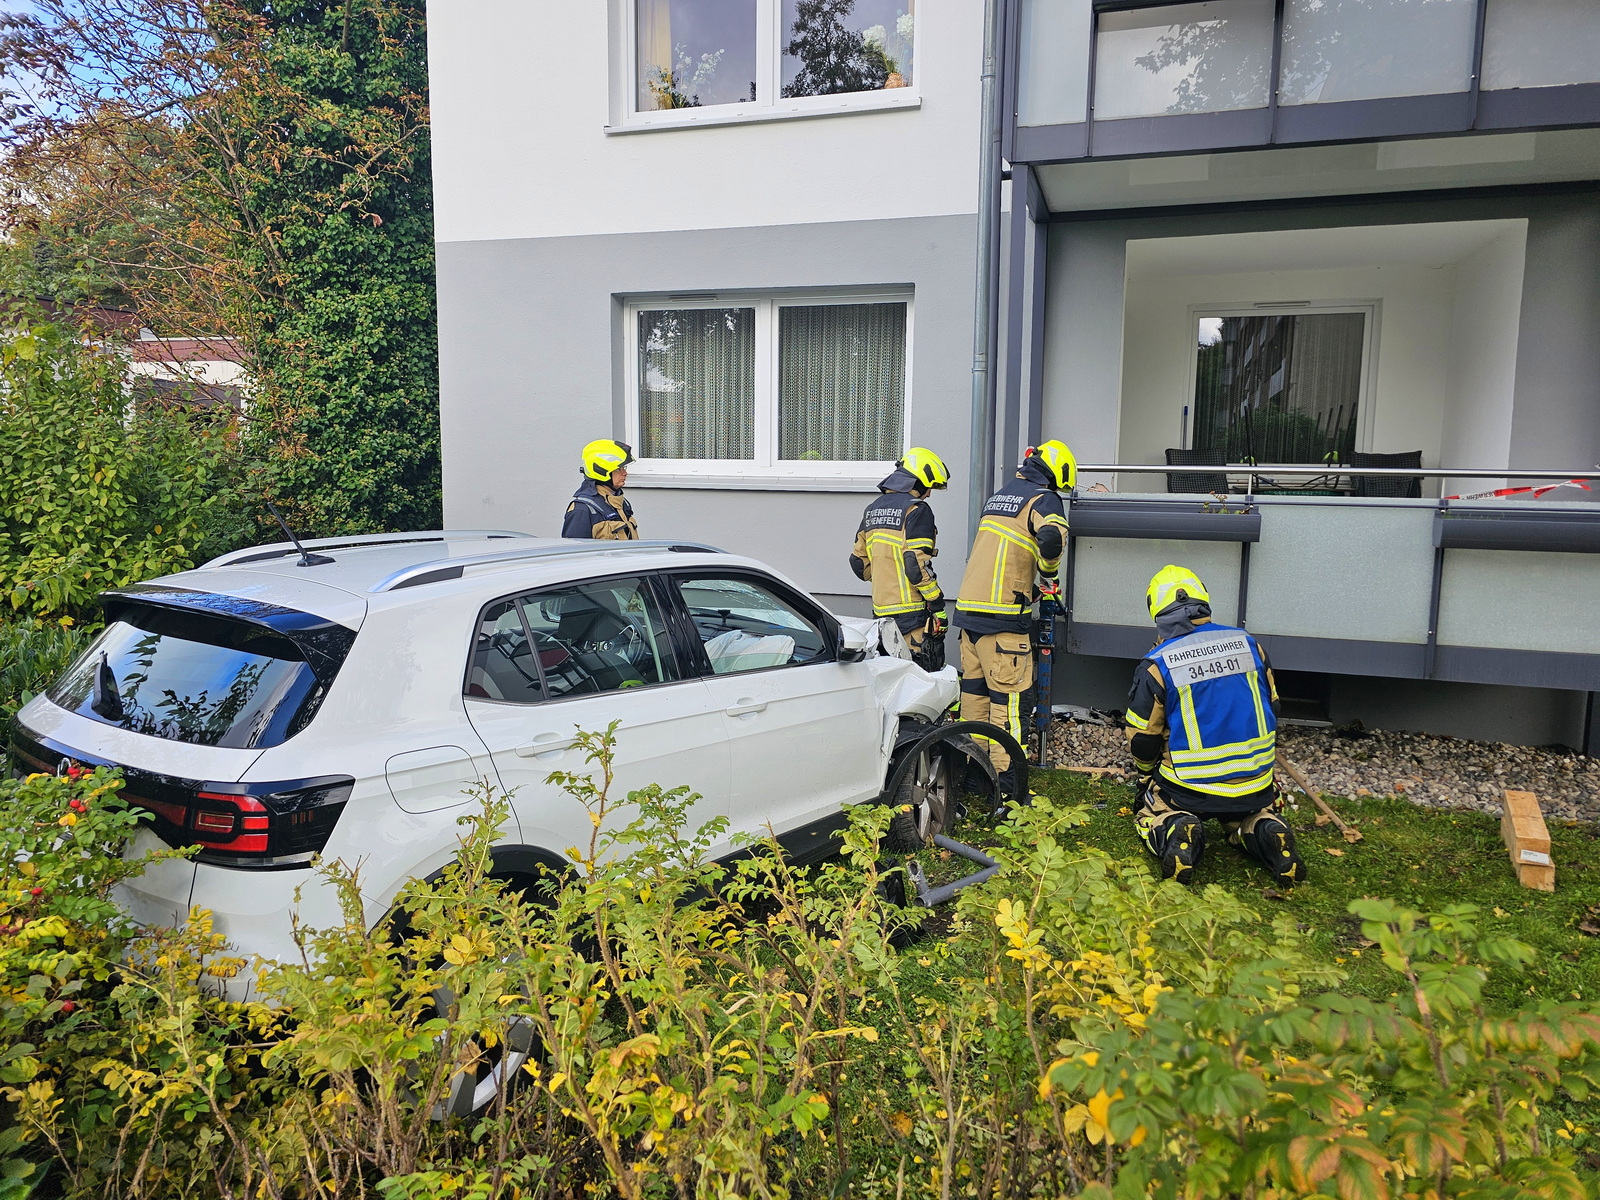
928 896
1045 639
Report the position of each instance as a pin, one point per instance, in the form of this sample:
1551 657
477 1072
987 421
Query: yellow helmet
1174 583
927 466
1058 461
604 456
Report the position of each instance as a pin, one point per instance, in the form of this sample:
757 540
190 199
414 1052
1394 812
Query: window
1541 43
706 61
745 626
1183 58
190 677
1280 387
1366 49
589 638
783 387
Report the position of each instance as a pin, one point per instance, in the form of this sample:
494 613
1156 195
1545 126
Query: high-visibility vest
1222 737
1005 554
899 568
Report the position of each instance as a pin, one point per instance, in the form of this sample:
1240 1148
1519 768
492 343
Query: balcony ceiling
1472 160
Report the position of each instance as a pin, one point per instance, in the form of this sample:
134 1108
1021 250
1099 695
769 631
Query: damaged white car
280 703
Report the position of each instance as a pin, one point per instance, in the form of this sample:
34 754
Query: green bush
750 1030
95 490
32 654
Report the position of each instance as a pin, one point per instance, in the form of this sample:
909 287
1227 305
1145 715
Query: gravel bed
1431 770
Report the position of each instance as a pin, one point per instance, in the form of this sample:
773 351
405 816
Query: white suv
270 707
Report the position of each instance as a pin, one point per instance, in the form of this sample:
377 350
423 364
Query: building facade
740 235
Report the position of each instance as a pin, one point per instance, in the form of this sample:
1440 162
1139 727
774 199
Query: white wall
1407 405
522 93
1483 359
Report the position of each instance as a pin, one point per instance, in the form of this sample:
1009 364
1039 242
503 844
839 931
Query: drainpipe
981 466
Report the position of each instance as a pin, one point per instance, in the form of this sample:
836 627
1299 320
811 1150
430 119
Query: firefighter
598 508
894 551
1202 727
1022 533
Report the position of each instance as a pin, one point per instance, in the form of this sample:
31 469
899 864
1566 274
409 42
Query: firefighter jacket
1021 533
894 551
1202 715
599 510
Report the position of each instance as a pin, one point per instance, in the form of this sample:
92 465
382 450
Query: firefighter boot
1271 842
1179 842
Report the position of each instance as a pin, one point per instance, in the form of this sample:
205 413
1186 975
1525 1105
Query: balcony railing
1503 590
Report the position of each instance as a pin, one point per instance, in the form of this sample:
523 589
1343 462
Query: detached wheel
922 803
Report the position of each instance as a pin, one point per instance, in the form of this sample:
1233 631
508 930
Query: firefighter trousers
996 676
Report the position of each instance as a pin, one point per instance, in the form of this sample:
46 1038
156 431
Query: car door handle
746 706
547 743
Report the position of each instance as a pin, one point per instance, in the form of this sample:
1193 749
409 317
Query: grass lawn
1425 858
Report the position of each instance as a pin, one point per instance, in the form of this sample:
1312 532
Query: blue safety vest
1221 734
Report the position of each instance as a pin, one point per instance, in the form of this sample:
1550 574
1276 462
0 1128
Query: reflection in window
835 46
697 383
1183 58
745 627
693 53
842 385
1279 388
599 637
1366 49
1541 43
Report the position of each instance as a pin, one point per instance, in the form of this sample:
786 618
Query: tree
834 58
262 170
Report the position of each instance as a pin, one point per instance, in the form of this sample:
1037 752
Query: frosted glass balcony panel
1183 58
1053 76
1541 43
1337 50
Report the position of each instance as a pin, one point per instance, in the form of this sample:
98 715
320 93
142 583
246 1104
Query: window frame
766 466
665 598
768 104
684 628
1365 401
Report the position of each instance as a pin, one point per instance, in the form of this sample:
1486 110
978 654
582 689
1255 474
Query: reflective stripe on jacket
894 550
1216 706
1021 533
598 510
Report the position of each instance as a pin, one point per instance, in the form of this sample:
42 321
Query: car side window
503 666
600 636
746 626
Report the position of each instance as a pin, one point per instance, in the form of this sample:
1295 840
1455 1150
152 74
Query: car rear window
193 677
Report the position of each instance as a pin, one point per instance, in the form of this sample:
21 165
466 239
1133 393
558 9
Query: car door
579 657
804 732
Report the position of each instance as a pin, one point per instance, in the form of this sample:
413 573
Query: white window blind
841 382
697 383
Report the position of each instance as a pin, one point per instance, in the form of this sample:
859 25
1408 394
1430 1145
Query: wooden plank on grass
1523 830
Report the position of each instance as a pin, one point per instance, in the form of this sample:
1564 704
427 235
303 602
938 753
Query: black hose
945 733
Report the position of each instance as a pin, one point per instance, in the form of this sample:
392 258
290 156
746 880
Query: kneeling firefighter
1022 533
894 551
1202 726
598 508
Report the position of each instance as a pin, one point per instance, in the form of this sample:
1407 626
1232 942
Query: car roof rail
273 550
442 569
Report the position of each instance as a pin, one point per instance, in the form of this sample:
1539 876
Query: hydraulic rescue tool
1044 640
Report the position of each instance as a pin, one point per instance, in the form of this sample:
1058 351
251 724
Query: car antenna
307 559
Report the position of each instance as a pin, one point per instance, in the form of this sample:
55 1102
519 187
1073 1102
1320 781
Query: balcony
1499 591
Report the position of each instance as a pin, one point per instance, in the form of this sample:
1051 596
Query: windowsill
755 481
792 110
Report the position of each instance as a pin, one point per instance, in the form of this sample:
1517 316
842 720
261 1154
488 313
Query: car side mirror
852 644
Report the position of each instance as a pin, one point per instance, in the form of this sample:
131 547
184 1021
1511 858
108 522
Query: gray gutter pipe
981 464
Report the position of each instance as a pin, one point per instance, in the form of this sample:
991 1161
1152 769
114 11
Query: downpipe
981 462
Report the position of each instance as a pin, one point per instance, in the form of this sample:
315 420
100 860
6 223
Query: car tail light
265 825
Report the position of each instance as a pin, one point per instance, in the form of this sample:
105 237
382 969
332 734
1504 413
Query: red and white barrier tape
1532 493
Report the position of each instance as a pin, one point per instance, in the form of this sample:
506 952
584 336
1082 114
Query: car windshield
190 677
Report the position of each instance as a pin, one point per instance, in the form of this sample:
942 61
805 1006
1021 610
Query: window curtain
653 37
841 386
697 383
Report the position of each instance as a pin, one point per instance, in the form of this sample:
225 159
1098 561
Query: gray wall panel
531 369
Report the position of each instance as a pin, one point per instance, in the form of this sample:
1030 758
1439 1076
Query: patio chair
1387 485
1196 481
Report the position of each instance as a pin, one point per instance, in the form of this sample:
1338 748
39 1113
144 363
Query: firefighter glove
939 621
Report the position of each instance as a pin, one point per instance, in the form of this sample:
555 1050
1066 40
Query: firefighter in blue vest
1202 727
598 508
894 551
